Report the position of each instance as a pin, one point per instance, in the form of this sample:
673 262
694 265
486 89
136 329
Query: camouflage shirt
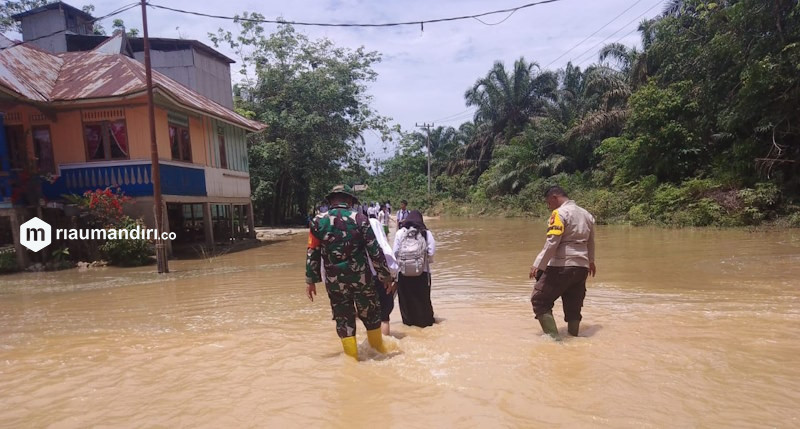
341 239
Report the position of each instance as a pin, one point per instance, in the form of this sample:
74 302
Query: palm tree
508 101
444 144
608 86
527 156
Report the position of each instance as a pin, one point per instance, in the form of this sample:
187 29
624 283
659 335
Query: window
43 147
179 142
17 152
106 140
223 155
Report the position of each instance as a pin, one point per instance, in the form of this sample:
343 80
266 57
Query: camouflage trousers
352 298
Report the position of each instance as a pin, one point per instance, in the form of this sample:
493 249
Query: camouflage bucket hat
342 189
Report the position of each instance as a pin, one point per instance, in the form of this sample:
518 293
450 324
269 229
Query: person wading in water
414 248
561 268
341 239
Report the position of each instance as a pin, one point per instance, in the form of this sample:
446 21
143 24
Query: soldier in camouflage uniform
338 243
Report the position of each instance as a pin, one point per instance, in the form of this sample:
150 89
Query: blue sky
424 74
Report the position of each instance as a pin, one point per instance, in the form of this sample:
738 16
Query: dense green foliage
313 97
8 261
128 252
700 126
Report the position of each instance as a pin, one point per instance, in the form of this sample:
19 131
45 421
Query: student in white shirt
386 296
414 277
402 214
384 216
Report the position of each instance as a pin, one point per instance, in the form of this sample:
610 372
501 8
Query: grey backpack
412 256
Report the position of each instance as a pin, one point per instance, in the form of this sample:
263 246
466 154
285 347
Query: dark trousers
568 283
414 295
386 299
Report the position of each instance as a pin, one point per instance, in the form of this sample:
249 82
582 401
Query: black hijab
415 219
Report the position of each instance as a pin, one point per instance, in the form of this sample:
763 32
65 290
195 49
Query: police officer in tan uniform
563 265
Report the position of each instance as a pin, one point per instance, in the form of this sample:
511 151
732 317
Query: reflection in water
681 328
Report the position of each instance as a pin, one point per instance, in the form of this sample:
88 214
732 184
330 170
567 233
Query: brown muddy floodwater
682 328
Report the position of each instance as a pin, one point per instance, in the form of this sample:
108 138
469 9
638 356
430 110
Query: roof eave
166 94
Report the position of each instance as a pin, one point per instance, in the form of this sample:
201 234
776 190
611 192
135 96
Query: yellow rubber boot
350 347
375 339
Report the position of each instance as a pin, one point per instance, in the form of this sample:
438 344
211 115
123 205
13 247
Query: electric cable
597 31
576 59
421 22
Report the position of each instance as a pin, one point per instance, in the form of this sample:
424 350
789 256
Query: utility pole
428 145
161 253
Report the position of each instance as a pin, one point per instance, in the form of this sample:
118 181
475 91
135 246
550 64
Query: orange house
79 120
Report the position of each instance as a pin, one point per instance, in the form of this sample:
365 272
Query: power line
589 58
499 22
421 22
457 118
108 15
620 29
597 31
469 111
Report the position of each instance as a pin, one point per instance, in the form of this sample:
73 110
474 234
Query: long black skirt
414 294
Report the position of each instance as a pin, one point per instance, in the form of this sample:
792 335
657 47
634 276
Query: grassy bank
694 203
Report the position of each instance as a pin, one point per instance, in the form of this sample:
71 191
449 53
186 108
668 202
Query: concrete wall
45 23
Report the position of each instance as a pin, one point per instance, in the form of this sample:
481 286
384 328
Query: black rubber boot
549 326
573 327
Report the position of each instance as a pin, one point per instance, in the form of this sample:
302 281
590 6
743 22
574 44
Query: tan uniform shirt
570 238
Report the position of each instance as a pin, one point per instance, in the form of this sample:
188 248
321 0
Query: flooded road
682 328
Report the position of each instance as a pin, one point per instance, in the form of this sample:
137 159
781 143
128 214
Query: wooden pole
428 146
161 254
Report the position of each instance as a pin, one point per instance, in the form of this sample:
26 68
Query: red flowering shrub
105 205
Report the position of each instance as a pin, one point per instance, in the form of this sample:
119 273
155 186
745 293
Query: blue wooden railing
134 179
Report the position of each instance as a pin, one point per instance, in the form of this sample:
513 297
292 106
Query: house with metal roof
78 121
58 27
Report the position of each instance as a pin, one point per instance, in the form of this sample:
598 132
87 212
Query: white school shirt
383 217
402 215
401 234
388 252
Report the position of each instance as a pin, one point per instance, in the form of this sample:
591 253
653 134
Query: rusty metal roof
43 77
29 72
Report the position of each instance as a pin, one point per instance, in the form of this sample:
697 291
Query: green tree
11 8
119 25
313 97
506 102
